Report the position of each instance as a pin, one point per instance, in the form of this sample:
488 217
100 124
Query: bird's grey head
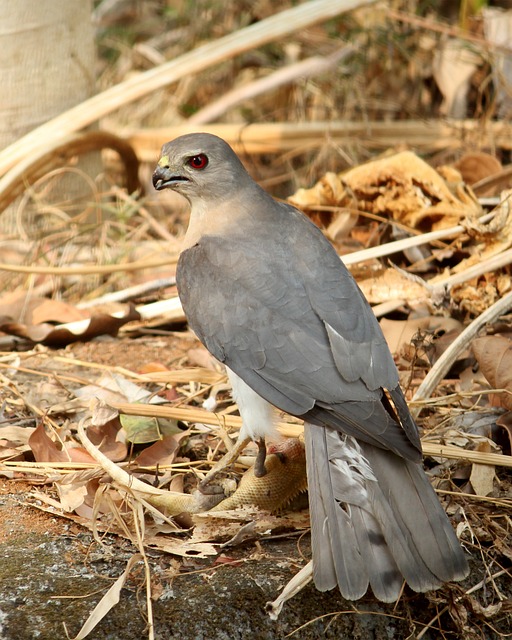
199 166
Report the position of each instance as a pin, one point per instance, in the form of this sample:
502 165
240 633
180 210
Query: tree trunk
47 65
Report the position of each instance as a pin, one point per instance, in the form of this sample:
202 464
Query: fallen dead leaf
399 333
494 355
393 285
162 452
402 187
44 448
482 476
107 438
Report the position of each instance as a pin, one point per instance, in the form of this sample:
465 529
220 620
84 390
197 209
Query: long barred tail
375 520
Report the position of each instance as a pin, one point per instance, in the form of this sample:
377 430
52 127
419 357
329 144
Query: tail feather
385 578
375 520
415 510
333 564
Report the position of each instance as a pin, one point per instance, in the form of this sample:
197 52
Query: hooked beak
164 177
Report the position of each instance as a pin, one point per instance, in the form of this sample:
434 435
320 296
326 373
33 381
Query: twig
139 524
88 269
407 243
351 258
445 362
115 472
445 29
303 69
485 266
194 414
467 593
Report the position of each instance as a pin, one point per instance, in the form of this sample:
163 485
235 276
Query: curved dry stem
54 154
116 473
445 362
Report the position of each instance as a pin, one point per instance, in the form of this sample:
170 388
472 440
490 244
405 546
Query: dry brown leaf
46 393
475 296
482 479
14 434
106 438
402 187
399 333
60 336
221 525
101 412
44 448
71 496
31 310
79 454
162 452
181 547
87 508
10 452
482 475
56 311
393 285
494 355
477 165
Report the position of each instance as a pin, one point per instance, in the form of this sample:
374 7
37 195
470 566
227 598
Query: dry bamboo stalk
193 414
129 292
486 266
351 258
184 376
493 263
255 35
278 137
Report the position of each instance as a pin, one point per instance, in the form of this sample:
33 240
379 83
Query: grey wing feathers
269 325
374 519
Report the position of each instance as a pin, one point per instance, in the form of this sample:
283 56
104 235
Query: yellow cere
164 160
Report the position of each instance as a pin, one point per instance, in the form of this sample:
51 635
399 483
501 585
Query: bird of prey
268 296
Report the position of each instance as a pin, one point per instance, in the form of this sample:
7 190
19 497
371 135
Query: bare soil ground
53 572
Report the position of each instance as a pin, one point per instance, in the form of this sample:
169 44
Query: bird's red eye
198 162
